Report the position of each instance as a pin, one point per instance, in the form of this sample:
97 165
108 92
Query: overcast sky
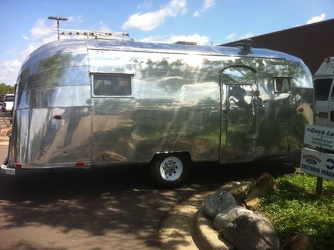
25 25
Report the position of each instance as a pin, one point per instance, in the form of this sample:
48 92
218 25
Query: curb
3 142
175 230
186 227
205 236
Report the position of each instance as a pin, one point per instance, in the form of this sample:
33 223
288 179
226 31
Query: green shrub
295 208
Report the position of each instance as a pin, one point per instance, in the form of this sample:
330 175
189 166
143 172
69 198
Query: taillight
57 117
323 115
79 164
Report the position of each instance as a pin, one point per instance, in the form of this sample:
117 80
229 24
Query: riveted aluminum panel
176 104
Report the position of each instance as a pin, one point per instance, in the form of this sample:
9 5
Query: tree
6 89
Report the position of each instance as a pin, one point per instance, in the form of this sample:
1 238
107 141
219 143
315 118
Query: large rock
242 189
228 186
218 202
250 232
298 242
264 185
228 215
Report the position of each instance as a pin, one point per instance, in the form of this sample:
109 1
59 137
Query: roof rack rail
185 43
91 34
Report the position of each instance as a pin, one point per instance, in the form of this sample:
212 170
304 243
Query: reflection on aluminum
208 101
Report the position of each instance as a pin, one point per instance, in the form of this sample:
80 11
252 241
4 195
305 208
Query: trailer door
239 109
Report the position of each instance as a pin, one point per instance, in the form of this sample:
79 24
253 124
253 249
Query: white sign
319 136
316 163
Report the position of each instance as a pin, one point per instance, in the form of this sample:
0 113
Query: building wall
312 43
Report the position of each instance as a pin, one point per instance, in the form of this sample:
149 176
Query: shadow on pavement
119 202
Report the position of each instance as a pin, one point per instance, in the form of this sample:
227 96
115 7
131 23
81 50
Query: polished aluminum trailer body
83 103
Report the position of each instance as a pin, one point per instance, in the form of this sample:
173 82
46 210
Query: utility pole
58 19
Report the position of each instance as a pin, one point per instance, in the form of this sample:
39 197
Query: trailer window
322 88
282 84
112 85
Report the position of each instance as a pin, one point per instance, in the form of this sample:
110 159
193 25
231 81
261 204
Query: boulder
298 242
264 184
229 215
218 202
228 186
242 189
250 232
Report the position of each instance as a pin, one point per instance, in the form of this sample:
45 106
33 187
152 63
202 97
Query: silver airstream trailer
94 102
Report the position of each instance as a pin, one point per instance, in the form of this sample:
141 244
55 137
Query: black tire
170 170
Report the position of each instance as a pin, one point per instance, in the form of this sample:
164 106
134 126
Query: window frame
319 82
284 88
111 75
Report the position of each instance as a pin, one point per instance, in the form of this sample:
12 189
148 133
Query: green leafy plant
296 208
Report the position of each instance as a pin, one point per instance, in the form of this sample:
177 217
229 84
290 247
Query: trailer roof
184 49
72 45
326 68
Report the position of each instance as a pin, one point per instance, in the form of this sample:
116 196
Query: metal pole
319 185
58 29
58 19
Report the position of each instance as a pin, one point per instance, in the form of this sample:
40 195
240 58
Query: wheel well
170 169
177 153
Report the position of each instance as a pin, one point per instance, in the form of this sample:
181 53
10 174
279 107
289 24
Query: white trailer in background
324 93
318 157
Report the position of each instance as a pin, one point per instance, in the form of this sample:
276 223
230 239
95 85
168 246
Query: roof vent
245 46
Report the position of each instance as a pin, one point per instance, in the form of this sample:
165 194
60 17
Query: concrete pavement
185 227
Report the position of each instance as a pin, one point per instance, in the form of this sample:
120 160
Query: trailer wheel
170 170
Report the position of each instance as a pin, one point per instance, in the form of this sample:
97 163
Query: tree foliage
6 89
